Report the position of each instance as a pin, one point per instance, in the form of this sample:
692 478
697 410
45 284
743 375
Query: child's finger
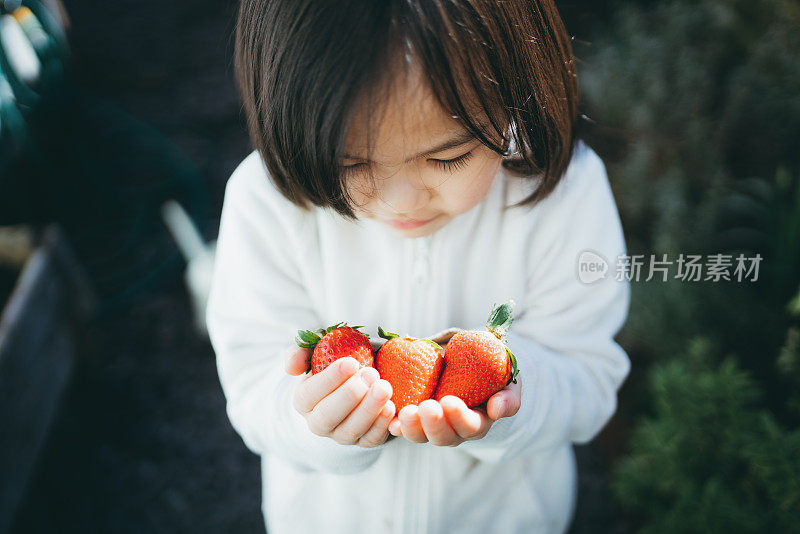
296 360
505 402
334 408
435 425
467 423
360 420
411 427
395 428
316 387
378 433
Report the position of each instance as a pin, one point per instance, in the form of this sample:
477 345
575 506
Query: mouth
405 224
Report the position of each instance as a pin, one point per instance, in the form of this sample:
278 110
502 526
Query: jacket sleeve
564 328
256 305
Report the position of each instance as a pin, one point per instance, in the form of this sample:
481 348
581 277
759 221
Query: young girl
416 163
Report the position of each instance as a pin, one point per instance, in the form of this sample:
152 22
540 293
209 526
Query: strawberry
412 366
477 363
334 342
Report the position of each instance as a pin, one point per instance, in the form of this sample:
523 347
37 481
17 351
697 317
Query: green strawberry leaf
307 339
386 335
330 328
514 368
432 342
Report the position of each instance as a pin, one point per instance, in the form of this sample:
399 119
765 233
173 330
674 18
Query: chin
423 231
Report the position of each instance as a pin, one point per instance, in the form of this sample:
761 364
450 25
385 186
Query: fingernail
369 375
394 427
408 412
379 392
348 366
427 407
450 402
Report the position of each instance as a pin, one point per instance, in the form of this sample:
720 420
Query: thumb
296 360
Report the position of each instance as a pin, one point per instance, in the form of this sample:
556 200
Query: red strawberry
334 342
412 366
477 364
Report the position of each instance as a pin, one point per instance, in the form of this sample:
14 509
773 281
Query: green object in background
700 102
33 55
47 39
13 131
710 459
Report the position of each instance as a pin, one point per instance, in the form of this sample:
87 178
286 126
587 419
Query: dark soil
142 443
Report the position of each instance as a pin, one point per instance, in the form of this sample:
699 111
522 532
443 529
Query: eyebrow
462 138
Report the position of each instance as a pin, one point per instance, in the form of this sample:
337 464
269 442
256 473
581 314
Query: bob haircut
504 70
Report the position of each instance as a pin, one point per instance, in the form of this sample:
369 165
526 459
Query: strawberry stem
500 319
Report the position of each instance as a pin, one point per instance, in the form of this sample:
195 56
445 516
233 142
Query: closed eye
452 165
356 167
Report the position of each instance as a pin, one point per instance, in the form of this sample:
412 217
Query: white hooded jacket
280 269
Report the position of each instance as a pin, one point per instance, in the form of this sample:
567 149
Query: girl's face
424 168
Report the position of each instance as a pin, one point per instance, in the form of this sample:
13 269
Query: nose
403 194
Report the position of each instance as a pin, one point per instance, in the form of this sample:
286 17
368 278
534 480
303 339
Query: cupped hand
450 422
346 403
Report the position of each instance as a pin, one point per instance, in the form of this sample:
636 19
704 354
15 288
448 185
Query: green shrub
695 106
698 94
708 459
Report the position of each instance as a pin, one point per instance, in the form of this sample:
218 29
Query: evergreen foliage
695 107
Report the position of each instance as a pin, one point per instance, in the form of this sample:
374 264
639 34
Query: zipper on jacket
417 492
421 265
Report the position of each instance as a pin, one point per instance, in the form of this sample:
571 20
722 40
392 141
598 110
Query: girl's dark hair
504 68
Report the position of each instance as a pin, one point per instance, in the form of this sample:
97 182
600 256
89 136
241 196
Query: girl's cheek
463 195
